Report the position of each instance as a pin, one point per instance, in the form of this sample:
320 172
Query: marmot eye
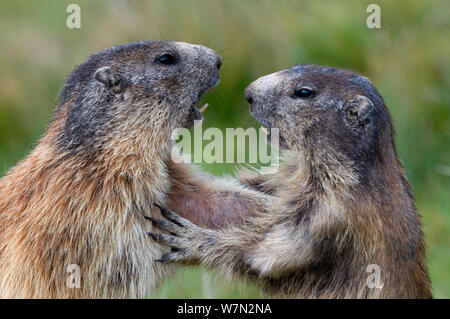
304 92
167 59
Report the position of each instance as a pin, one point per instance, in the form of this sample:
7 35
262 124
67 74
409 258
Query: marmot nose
248 95
219 62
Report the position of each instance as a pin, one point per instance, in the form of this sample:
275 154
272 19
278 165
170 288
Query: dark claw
153 236
165 239
164 225
149 218
169 257
164 259
170 215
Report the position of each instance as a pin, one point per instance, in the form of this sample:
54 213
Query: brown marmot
81 195
345 225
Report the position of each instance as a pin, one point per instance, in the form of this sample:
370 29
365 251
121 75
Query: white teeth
203 108
265 130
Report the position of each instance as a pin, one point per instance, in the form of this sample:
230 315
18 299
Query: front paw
187 240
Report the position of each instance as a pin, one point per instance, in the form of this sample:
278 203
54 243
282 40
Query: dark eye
167 59
304 92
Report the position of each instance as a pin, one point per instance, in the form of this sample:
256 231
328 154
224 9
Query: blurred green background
407 60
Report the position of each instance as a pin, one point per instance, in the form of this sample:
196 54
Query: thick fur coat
343 205
80 197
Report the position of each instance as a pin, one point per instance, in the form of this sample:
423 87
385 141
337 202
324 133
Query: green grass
407 60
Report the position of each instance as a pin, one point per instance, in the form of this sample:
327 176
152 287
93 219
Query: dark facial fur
126 88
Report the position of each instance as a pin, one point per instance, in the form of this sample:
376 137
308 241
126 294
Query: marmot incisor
80 197
344 201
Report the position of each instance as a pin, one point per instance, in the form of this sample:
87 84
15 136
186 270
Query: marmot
345 207
81 195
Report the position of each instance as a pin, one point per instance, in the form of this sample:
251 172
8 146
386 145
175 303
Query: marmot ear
107 76
359 108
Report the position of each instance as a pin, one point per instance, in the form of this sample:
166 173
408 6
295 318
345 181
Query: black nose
248 96
219 62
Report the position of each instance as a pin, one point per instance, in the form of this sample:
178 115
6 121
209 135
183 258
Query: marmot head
149 87
323 110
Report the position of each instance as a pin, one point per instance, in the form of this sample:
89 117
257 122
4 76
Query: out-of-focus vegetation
407 60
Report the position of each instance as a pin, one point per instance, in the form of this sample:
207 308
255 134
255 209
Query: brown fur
342 199
80 197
